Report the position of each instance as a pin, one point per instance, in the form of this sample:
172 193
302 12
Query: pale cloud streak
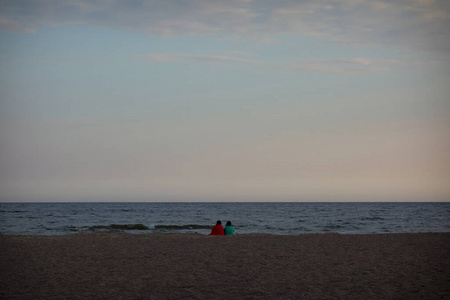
351 65
419 24
162 57
11 25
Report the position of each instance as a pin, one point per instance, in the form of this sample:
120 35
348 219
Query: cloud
161 57
11 25
352 65
243 53
419 24
394 23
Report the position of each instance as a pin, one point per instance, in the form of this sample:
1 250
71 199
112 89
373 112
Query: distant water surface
274 218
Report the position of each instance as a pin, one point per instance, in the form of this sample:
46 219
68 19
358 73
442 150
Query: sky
236 100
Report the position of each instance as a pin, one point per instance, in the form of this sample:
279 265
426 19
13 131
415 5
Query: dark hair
228 223
218 223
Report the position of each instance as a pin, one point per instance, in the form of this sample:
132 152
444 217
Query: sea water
198 217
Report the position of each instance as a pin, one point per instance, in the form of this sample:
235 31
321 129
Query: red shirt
217 230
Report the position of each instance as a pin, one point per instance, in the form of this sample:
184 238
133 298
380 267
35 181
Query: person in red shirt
217 229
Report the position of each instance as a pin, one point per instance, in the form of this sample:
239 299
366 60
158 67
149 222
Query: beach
248 266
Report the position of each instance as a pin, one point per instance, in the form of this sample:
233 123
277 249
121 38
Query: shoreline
105 265
207 234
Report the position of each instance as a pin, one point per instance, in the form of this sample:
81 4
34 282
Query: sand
255 266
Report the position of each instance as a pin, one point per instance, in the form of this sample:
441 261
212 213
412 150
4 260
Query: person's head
218 223
228 223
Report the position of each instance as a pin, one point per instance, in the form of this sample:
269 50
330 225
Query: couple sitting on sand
219 230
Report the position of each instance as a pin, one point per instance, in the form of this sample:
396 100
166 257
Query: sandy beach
254 266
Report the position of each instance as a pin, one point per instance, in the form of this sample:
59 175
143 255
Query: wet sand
254 266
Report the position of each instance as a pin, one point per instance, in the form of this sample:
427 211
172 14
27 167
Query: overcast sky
236 100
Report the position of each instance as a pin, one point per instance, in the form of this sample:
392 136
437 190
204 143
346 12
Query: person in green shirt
229 229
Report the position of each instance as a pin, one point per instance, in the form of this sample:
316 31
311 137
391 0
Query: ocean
287 218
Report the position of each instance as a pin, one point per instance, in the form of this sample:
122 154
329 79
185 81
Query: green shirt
229 230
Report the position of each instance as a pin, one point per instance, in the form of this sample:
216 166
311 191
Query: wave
121 227
183 227
371 219
144 227
333 226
